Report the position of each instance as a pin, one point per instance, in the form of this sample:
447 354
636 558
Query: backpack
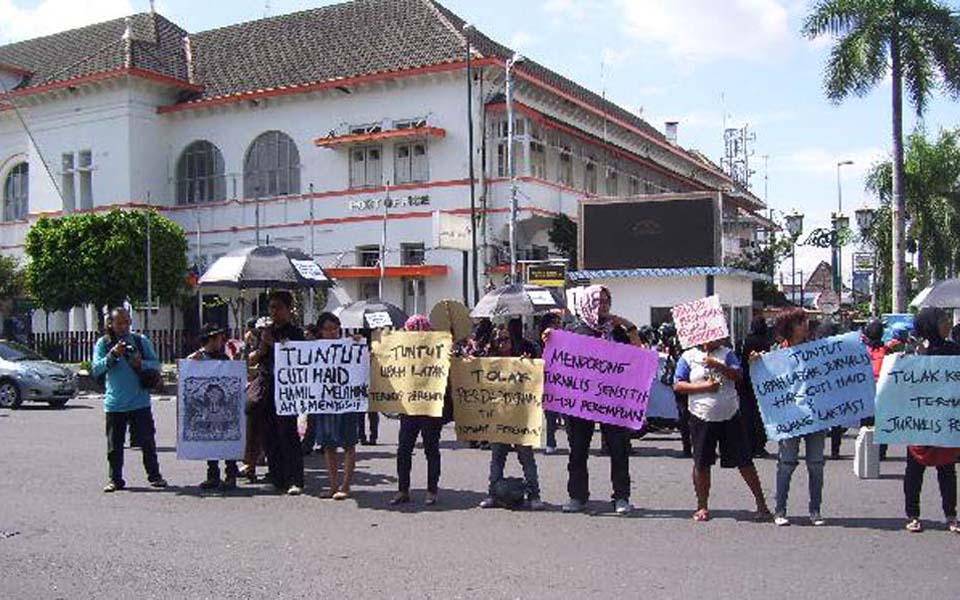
510 492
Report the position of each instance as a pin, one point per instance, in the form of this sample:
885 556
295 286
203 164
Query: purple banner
597 380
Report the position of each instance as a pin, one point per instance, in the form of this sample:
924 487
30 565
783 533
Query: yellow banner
408 372
498 399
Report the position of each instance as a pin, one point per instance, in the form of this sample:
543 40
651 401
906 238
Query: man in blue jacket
118 358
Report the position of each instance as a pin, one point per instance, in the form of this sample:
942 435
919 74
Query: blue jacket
123 390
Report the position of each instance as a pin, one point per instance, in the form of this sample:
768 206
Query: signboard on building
366 204
863 262
452 232
547 275
663 231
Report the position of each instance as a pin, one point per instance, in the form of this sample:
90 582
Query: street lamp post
837 250
794 224
866 217
840 224
514 60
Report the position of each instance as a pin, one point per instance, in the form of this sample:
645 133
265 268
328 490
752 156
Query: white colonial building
294 129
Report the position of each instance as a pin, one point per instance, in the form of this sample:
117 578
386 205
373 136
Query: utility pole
516 58
146 313
474 272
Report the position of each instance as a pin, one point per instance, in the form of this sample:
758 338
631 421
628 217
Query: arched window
272 166
16 193
200 174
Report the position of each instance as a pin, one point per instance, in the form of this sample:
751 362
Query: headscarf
418 323
590 309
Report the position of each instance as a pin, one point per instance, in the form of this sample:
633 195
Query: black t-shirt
944 348
284 333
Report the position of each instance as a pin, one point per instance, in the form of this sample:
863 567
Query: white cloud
522 40
707 30
823 161
565 9
50 16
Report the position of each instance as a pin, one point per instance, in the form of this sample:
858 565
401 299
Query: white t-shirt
716 406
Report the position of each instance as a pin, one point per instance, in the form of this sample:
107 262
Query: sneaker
158 483
230 483
431 499
550 450
622 507
209 484
113 486
294 490
781 521
817 520
574 506
914 526
488 502
536 504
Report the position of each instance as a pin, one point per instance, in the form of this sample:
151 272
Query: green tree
12 278
932 186
99 259
563 236
915 41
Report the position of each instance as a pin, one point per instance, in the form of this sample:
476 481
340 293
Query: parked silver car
27 376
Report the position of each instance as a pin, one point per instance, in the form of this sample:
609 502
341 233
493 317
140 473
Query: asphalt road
61 537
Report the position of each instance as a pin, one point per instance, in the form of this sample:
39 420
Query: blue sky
693 61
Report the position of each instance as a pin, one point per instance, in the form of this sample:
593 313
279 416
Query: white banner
211 396
700 322
321 377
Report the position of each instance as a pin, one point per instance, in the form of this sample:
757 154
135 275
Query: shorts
730 435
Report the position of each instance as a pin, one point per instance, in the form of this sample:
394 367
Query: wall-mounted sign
547 275
377 203
451 231
863 261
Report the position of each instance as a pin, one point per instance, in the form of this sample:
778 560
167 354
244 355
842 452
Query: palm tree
916 42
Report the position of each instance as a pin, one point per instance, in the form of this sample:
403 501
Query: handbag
150 379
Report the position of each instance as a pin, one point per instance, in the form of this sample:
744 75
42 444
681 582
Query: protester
371 418
258 407
597 321
709 375
873 338
336 431
549 321
757 341
282 441
793 328
478 345
121 359
933 326
428 429
510 343
213 338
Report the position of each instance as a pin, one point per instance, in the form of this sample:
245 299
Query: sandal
341 495
953 526
914 526
701 516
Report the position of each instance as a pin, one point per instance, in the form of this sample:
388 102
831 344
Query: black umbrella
265 267
371 314
515 301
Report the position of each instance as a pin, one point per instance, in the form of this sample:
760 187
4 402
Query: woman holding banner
933 325
428 429
597 321
335 431
793 327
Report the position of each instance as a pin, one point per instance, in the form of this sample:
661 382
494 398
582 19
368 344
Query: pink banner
597 380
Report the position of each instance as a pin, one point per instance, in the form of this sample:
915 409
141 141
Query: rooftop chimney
670 130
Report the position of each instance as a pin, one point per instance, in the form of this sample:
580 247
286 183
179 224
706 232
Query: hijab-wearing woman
933 325
428 429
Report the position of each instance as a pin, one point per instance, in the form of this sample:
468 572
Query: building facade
320 130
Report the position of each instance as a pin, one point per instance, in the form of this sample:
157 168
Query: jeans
284 454
213 469
498 460
428 428
913 483
787 461
374 419
116 431
552 420
683 422
579 436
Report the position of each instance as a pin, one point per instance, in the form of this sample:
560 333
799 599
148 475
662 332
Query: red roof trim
389 272
103 75
305 88
392 134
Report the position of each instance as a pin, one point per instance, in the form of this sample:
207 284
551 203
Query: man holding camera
129 368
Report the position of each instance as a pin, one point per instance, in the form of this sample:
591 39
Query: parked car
27 376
